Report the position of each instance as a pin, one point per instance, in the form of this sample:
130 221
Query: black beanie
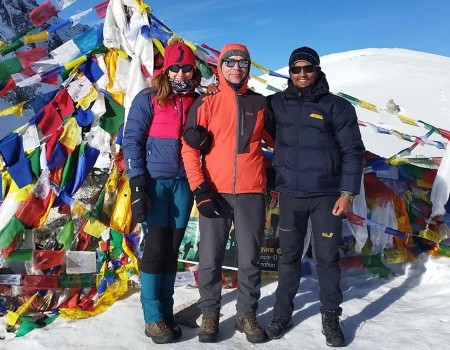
304 54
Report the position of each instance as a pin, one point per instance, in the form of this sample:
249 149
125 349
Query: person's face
237 72
184 72
305 77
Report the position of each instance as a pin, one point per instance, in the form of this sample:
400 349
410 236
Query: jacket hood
223 83
311 93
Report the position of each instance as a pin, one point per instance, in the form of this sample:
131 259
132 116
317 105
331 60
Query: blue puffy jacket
152 137
318 146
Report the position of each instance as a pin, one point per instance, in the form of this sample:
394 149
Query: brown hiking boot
207 333
249 325
159 332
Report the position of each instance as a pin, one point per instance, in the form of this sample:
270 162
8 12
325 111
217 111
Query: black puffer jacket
318 147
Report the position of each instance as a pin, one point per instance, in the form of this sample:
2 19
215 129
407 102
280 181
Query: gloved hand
140 201
211 204
199 138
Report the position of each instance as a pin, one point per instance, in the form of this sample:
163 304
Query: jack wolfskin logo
317 116
327 235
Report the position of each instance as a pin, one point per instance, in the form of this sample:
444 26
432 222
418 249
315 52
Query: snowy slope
418 82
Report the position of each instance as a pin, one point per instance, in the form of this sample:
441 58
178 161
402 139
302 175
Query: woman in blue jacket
160 196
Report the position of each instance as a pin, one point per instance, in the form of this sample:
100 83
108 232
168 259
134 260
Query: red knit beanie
178 53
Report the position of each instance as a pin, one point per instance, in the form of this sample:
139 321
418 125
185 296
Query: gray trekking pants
249 219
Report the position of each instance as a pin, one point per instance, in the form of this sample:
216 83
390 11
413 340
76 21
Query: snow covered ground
408 310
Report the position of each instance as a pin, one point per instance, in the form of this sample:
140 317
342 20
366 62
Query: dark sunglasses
307 69
186 68
230 62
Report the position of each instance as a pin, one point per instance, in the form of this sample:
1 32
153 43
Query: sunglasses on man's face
186 68
307 69
230 62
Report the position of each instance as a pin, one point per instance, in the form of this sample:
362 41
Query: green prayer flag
27 324
34 157
12 47
11 229
376 266
65 236
85 280
116 243
70 167
20 255
10 66
114 116
351 99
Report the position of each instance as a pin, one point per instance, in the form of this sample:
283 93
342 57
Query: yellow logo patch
327 235
317 116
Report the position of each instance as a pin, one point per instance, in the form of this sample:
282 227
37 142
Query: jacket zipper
237 144
180 113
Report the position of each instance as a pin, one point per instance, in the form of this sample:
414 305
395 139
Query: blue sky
271 29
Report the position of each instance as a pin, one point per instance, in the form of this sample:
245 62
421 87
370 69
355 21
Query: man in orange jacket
224 164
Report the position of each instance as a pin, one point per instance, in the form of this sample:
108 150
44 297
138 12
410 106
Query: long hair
160 84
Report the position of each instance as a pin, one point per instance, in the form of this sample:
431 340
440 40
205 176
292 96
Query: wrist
349 195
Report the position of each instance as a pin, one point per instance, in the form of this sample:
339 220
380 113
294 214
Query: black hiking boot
176 329
331 329
159 332
249 325
277 326
207 333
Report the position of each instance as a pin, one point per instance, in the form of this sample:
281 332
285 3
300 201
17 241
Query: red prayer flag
42 13
63 103
50 120
30 210
444 133
101 9
40 282
45 259
10 84
355 219
29 57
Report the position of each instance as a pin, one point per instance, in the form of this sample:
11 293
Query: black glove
140 201
199 138
211 204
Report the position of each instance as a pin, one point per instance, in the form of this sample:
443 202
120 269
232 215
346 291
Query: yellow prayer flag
16 110
69 137
407 120
257 65
113 180
367 105
78 209
158 45
75 63
430 235
423 183
397 134
12 317
94 227
142 6
396 256
2 45
36 37
86 100
261 80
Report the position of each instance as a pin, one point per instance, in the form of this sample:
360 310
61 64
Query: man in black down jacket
318 160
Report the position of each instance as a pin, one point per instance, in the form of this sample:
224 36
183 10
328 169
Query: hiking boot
277 326
249 325
159 332
176 329
207 333
331 329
